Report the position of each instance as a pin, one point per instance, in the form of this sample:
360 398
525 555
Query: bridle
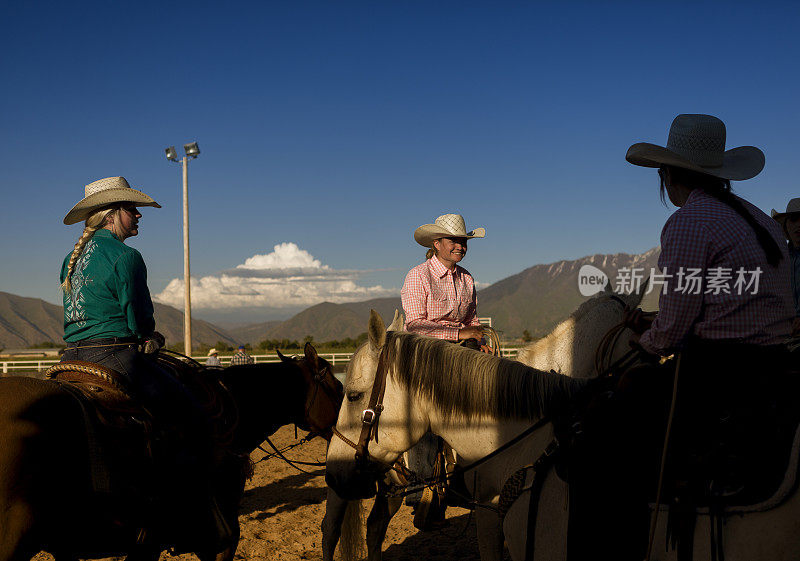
371 415
319 381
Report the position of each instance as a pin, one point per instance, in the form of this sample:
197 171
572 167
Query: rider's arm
684 247
133 294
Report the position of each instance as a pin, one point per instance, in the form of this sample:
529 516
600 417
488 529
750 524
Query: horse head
571 347
323 392
399 423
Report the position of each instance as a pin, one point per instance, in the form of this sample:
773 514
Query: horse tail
352 541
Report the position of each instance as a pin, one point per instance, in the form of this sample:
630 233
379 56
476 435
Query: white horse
571 347
568 349
343 517
474 401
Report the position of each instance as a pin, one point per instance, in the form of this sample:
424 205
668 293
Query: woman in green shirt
108 320
108 312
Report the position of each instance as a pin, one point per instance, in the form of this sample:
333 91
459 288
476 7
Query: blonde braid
94 222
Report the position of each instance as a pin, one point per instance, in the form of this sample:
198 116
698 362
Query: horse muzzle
355 485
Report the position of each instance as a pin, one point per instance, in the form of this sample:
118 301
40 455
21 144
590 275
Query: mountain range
30 321
534 300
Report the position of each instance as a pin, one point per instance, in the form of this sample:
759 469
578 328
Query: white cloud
289 277
284 256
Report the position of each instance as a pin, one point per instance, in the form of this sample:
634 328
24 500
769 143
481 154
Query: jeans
421 460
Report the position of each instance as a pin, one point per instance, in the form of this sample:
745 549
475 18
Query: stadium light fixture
192 150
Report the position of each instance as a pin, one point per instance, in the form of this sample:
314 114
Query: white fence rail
40 365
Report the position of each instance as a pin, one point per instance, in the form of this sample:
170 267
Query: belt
110 341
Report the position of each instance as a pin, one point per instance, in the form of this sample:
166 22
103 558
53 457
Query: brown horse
48 498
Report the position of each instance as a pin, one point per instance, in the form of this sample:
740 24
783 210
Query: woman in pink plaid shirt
439 301
439 295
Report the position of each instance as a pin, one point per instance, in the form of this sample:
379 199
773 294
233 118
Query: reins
609 342
278 453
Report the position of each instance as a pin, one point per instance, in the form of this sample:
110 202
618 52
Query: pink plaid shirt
438 302
708 235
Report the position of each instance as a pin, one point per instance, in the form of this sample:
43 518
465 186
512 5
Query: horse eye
354 396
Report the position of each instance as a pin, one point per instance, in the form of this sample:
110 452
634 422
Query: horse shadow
458 540
283 495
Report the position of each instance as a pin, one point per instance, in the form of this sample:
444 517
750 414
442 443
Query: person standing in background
790 223
241 357
213 359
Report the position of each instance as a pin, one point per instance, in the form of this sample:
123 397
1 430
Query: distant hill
539 297
325 322
535 299
30 321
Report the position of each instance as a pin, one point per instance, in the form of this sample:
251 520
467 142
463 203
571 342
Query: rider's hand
472 332
153 343
486 349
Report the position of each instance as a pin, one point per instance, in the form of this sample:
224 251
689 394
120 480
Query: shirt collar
438 269
104 233
694 195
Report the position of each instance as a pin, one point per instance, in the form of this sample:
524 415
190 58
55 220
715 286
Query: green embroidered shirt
109 295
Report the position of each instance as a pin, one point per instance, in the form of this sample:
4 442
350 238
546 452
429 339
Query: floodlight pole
187 298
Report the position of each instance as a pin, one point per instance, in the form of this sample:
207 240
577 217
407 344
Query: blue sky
333 129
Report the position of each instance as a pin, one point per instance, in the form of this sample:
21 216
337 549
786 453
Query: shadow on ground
284 495
456 541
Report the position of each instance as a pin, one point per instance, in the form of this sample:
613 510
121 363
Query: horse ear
311 354
376 331
607 288
397 322
642 289
280 355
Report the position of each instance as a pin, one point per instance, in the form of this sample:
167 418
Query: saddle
110 414
105 389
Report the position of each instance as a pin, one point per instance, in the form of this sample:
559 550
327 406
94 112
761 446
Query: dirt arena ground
282 511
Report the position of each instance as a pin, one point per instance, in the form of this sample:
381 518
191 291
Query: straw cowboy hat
792 208
104 192
212 352
697 143
446 226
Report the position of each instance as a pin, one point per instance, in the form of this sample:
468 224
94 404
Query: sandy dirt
282 510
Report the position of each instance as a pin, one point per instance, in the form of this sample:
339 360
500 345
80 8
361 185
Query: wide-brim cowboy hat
104 192
697 143
792 208
213 352
446 226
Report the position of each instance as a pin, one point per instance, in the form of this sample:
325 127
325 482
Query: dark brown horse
47 498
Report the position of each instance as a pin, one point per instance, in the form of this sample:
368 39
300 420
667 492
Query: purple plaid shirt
712 289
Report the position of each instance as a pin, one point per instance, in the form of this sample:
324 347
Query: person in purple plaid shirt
726 311
734 250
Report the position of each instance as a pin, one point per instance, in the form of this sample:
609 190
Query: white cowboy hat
212 352
791 208
104 192
697 143
446 226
